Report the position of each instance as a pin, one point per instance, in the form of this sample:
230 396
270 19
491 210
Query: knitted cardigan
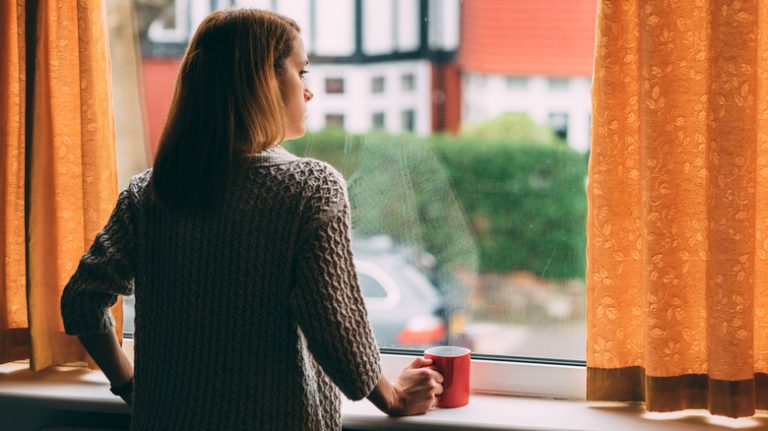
247 318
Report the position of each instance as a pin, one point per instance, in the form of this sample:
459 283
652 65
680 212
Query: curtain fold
677 302
14 328
64 174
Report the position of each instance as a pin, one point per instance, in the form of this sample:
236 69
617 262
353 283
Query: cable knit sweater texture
247 318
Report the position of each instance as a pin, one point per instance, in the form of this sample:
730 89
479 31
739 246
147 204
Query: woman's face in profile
294 91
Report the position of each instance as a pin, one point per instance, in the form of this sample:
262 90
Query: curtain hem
737 398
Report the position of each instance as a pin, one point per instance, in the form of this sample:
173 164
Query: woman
248 311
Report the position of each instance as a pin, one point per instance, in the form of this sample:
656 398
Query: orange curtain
59 176
14 329
677 278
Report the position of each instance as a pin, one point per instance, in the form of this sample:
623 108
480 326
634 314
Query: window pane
517 82
408 82
378 120
377 85
465 157
558 121
558 84
334 120
334 85
409 120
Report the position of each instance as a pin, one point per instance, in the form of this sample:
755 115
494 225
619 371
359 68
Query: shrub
526 203
476 203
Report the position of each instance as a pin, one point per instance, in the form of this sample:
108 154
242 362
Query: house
529 57
376 63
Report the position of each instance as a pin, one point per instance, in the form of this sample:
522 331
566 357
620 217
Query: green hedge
487 205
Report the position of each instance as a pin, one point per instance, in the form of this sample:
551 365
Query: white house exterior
371 61
563 103
421 66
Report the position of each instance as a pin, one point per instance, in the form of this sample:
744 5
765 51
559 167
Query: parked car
404 307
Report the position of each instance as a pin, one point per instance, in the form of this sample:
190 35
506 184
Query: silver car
404 307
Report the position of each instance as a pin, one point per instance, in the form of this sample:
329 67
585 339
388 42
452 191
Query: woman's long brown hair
226 104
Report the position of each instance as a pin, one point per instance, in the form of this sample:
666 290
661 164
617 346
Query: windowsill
77 389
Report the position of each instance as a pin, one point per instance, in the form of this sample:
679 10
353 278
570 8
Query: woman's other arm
106 352
104 272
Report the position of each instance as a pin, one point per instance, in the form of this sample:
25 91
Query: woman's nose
308 95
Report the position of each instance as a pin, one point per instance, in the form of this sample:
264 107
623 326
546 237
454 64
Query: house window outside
378 120
477 81
334 120
334 85
377 85
558 85
558 121
408 82
409 120
517 82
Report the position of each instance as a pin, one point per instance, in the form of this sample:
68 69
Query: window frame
494 374
498 374
509 375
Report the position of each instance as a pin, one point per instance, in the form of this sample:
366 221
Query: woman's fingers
435 375
419 363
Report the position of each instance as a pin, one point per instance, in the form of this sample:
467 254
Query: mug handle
447 375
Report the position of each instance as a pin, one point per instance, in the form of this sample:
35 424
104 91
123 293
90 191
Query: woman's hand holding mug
416 388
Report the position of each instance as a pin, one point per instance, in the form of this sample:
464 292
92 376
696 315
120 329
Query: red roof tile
528 37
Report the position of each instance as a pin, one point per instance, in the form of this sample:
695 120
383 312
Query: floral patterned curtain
677 278
57 166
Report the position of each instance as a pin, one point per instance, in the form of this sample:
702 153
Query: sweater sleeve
105 271
326 299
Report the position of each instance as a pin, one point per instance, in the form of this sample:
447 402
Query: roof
524 37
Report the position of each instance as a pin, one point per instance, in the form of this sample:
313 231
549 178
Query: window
409 120
558 84
169 24
517 82
408 82
559 123
497 254
378 120
334 120
334 85
477 81
377 85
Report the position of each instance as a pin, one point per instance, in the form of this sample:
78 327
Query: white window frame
512 378
498 377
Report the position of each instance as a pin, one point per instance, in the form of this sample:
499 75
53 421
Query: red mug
453 363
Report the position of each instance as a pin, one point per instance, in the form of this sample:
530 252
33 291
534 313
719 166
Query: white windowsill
77 389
